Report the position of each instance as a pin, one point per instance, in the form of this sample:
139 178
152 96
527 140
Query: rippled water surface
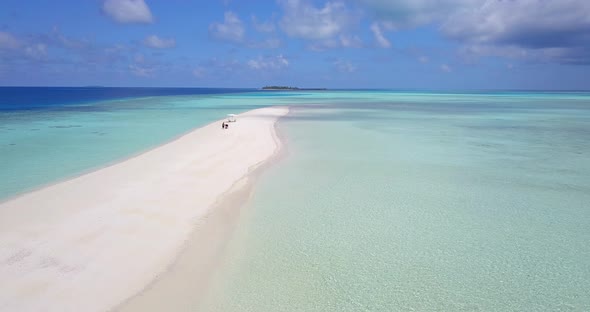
62 132
386 201
420 202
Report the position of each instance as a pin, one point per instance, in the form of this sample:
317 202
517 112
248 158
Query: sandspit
89 243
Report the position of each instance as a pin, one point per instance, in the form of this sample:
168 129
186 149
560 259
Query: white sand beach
90 243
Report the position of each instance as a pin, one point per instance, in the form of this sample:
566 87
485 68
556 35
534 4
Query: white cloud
219 69
232 29
423 59
36 51
446 68
474 51
156 42
547 30
142 71
199 72
263 27
139 58
269 63
52 50
57 38
344 66
344 41
379 37
128 11
530 23
555 31
323 45
303 20
348 41
410 13
270 43
15 48
8 41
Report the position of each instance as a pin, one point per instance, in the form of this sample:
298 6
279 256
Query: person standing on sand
223 125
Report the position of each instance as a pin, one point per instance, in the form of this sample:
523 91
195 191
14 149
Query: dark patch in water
66 127
78 98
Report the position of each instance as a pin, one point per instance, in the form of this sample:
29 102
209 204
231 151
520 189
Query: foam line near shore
91 242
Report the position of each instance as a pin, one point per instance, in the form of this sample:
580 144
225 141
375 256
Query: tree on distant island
291 88
279 88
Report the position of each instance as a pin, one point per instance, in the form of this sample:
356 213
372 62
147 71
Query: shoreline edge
97 240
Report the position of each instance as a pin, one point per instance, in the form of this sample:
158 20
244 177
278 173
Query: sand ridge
91 242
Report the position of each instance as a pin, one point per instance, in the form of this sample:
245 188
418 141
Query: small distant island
283 88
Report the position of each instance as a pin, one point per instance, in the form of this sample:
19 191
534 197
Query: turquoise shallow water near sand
386 201
41 146
390 202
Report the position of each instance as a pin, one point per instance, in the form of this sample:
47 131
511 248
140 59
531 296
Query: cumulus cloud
156 42
263 27
219 69
410 13
539 30
528 23
80 51
379 37
142 71
554 30
232 29
144 67
269 63
8 41
128 11
54 50
36 51
199 72
345 41
344 66
12 48
47 53
423 59
303 20
350 41
269 43
446 68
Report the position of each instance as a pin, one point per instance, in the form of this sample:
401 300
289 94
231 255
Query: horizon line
308 88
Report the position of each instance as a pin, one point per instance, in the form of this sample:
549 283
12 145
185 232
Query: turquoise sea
49 134
420 202
385 201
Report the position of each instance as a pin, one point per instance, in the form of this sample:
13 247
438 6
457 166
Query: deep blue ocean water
30 98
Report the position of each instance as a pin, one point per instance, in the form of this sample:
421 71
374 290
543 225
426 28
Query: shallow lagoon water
402 203
41 146
386 201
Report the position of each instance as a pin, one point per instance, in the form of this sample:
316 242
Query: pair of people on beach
224 125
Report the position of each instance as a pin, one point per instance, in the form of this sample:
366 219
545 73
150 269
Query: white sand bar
89 243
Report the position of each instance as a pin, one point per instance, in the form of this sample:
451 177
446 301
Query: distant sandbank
90 243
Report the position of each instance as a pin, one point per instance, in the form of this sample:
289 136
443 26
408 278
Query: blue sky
418 44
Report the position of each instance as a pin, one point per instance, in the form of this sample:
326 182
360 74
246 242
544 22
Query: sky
396 44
